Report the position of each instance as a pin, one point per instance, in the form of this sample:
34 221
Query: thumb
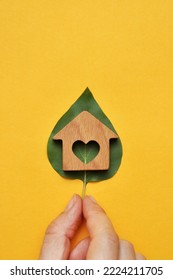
104 242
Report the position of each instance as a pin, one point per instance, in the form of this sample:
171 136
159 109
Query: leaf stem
84 179
84 185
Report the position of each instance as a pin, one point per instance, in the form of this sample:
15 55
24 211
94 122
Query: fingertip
126 250
90 206
78 198
75 201
72 214
140 256
89 202
90 198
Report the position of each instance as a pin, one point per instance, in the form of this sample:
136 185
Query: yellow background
50 51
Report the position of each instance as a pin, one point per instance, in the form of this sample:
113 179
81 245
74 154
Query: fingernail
92 198
71 203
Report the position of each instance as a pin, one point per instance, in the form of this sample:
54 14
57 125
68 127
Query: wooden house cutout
85 127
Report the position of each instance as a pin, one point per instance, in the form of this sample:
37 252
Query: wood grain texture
85 127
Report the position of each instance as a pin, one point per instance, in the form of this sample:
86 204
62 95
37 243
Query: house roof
85 127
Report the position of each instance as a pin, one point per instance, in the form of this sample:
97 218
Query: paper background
50 51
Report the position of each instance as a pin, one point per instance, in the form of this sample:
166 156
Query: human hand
102 243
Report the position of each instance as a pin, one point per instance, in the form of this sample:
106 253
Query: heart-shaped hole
86 152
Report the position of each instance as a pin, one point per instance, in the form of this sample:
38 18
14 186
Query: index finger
104 240
56 245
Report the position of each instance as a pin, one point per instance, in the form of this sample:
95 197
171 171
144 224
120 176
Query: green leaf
85 102
86 152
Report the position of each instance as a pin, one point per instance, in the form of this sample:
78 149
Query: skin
102 244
